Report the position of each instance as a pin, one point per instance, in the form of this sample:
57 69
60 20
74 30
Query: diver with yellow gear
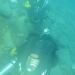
36 56
37 9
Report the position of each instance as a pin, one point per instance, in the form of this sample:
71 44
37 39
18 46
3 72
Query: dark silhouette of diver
37 55
37 10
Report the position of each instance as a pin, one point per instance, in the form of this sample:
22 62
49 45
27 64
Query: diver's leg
48 70
44 66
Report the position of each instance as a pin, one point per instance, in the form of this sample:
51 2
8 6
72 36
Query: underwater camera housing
8 67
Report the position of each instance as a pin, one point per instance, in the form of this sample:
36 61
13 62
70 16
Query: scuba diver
34 57
37 10
38 55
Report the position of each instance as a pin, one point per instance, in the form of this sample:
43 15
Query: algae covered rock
5 10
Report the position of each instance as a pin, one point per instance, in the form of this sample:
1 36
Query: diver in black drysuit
38 10
45 47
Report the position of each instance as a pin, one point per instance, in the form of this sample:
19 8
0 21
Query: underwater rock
13 4
5 10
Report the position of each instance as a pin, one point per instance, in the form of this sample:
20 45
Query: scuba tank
8 67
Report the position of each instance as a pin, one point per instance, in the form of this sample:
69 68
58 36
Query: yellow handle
13 51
